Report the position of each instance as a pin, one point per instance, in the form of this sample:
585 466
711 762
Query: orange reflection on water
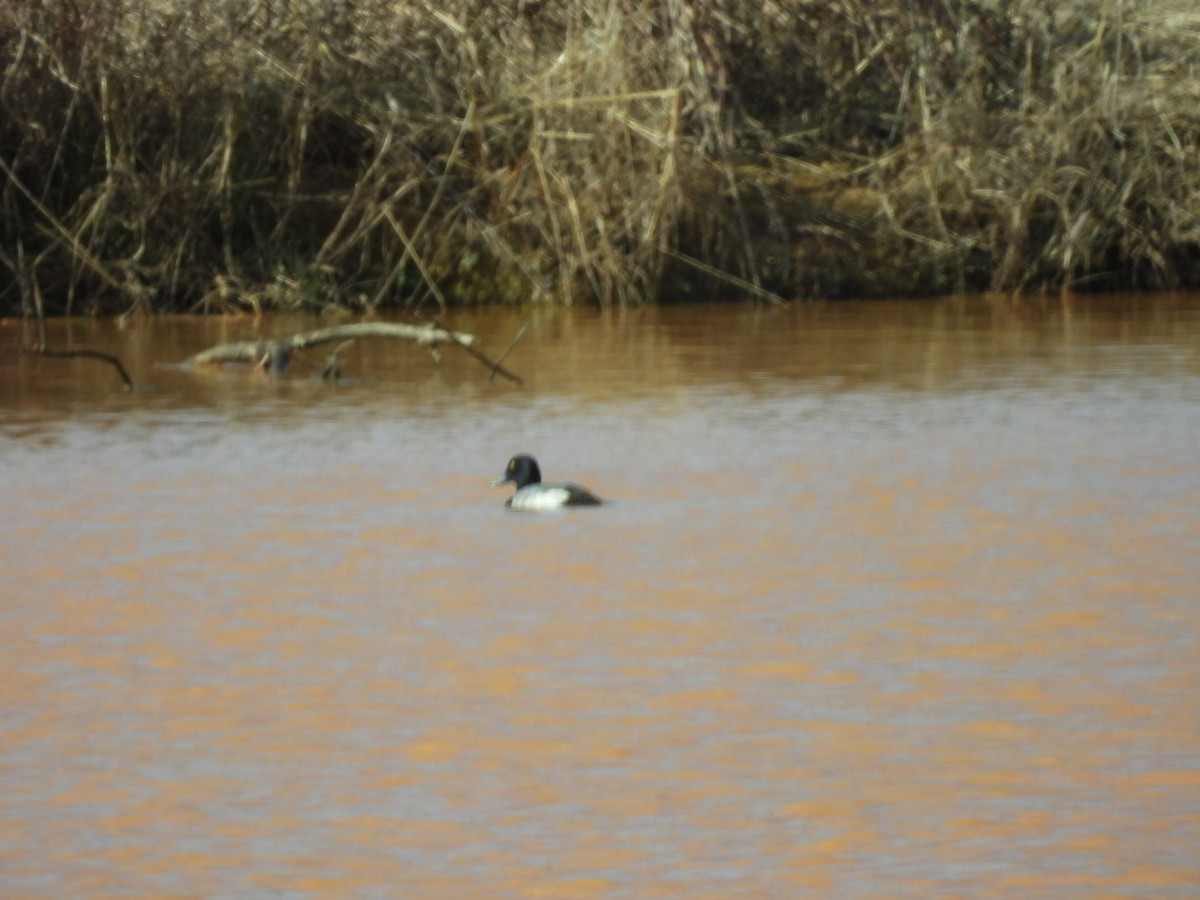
870 640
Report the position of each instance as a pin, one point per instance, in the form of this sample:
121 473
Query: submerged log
275 355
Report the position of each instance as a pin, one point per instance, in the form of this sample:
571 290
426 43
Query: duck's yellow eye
512 464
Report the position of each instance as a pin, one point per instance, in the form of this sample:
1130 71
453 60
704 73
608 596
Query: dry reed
222 155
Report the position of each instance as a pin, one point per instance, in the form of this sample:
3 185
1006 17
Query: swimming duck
523 471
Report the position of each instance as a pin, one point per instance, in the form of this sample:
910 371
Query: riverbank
225 156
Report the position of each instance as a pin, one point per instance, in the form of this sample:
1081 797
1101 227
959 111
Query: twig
725 276
29 286
411 252
57 227
410 242
332 371
90 354
508 349
493 367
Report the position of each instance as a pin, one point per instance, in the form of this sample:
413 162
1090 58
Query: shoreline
202 157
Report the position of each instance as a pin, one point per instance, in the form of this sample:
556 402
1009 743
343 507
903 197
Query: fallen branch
275 355
494 367
89 354
520 334
31 296
332 370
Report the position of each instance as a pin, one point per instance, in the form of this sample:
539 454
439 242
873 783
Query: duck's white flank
541 496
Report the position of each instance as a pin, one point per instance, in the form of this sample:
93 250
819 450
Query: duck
523 471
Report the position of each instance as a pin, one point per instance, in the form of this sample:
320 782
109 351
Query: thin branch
60 229
508 349
89 354
494 367
725 276
411 252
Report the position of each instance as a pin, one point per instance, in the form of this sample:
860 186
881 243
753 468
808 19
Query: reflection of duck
523 471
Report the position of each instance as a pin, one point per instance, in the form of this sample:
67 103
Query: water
890 599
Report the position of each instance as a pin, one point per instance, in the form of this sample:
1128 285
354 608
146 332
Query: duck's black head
522 470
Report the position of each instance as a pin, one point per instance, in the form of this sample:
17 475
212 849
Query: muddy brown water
890 600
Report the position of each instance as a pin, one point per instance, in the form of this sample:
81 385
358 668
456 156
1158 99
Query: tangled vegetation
221 155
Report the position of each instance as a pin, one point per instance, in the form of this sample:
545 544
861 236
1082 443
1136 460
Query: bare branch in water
90 354
275 355
494 367
509 349
332 370
32 298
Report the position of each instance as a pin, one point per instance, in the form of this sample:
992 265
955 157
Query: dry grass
220 155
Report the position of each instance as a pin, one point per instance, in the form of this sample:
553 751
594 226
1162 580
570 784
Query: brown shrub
221 154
